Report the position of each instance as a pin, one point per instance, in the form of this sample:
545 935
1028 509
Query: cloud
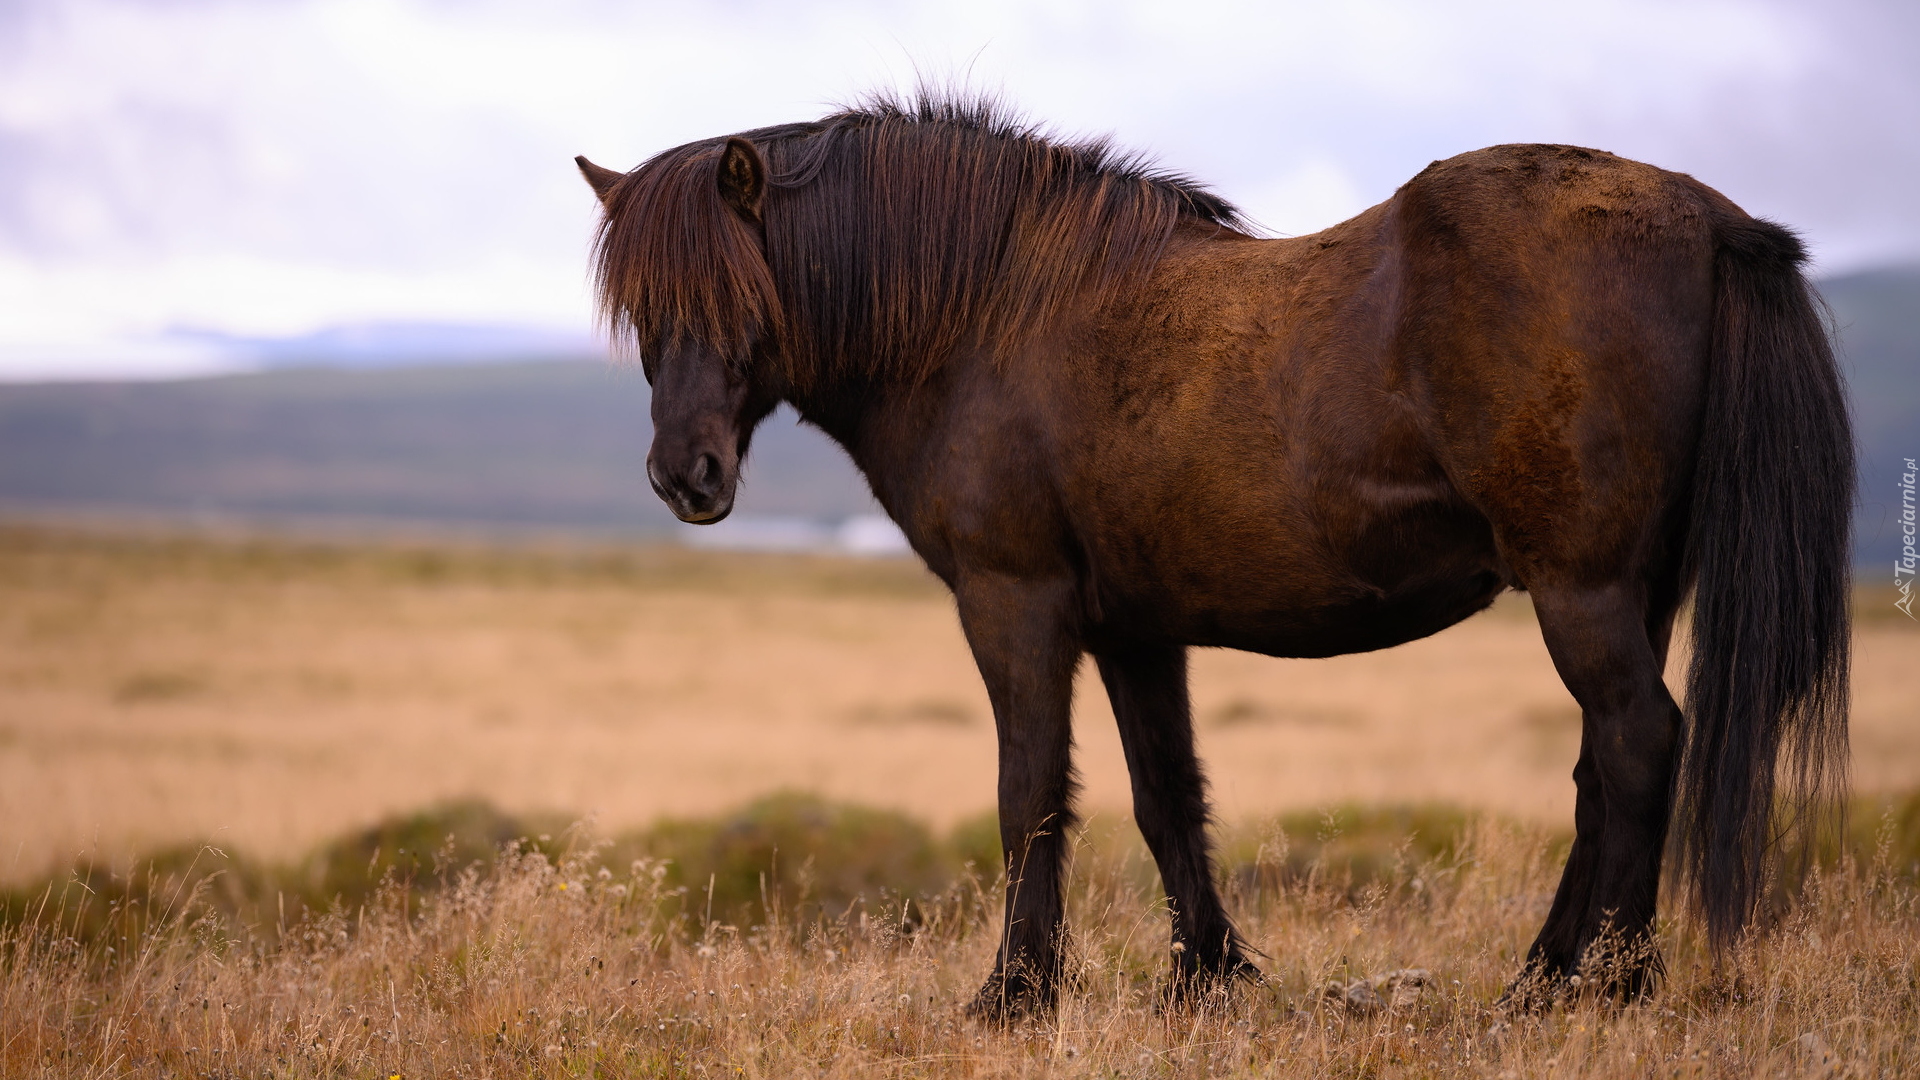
281 167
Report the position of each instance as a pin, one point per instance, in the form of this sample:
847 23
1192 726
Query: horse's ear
601 180
743 178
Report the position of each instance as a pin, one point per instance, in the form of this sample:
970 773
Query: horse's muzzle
701 495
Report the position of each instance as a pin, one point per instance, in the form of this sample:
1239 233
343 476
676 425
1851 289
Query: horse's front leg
1148 688
1024 638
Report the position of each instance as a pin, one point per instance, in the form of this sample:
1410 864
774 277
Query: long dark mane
894 233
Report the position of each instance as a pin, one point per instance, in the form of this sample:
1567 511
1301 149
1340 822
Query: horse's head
704 413
682 269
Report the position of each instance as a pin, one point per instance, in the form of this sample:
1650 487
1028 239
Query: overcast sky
171 168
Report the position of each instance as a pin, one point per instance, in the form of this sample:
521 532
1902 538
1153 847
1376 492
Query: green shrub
1349 847
790 857
797 855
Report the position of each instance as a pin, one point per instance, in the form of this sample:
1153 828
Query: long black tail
1768 545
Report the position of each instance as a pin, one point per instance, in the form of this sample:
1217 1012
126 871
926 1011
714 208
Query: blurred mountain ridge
1876 324
553 445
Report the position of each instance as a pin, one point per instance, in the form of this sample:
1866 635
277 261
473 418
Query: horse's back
1245 467
1343 441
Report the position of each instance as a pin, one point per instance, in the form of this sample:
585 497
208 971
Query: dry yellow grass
267 695
559 969
270 695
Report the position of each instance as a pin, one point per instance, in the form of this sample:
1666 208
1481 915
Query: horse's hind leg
1556 950
1610 649
1148 688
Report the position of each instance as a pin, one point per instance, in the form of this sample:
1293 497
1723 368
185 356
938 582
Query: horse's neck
876 422
835 413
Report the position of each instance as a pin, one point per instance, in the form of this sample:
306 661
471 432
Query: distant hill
561 445
543 445
1876 317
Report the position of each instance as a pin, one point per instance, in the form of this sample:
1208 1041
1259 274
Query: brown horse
1116 423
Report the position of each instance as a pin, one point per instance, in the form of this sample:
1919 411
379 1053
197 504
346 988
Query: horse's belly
1359 624
1274 593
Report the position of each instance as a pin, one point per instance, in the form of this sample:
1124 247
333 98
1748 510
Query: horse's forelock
675 266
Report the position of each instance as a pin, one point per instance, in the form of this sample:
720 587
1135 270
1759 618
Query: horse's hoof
1605 979
1534 990
1006 1000
1205 986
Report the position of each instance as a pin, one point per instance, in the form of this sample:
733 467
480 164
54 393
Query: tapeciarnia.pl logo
1903 567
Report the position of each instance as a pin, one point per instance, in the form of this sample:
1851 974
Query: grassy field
564 957
254 797
269 696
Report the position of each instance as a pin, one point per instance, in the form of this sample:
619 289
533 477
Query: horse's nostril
704 477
